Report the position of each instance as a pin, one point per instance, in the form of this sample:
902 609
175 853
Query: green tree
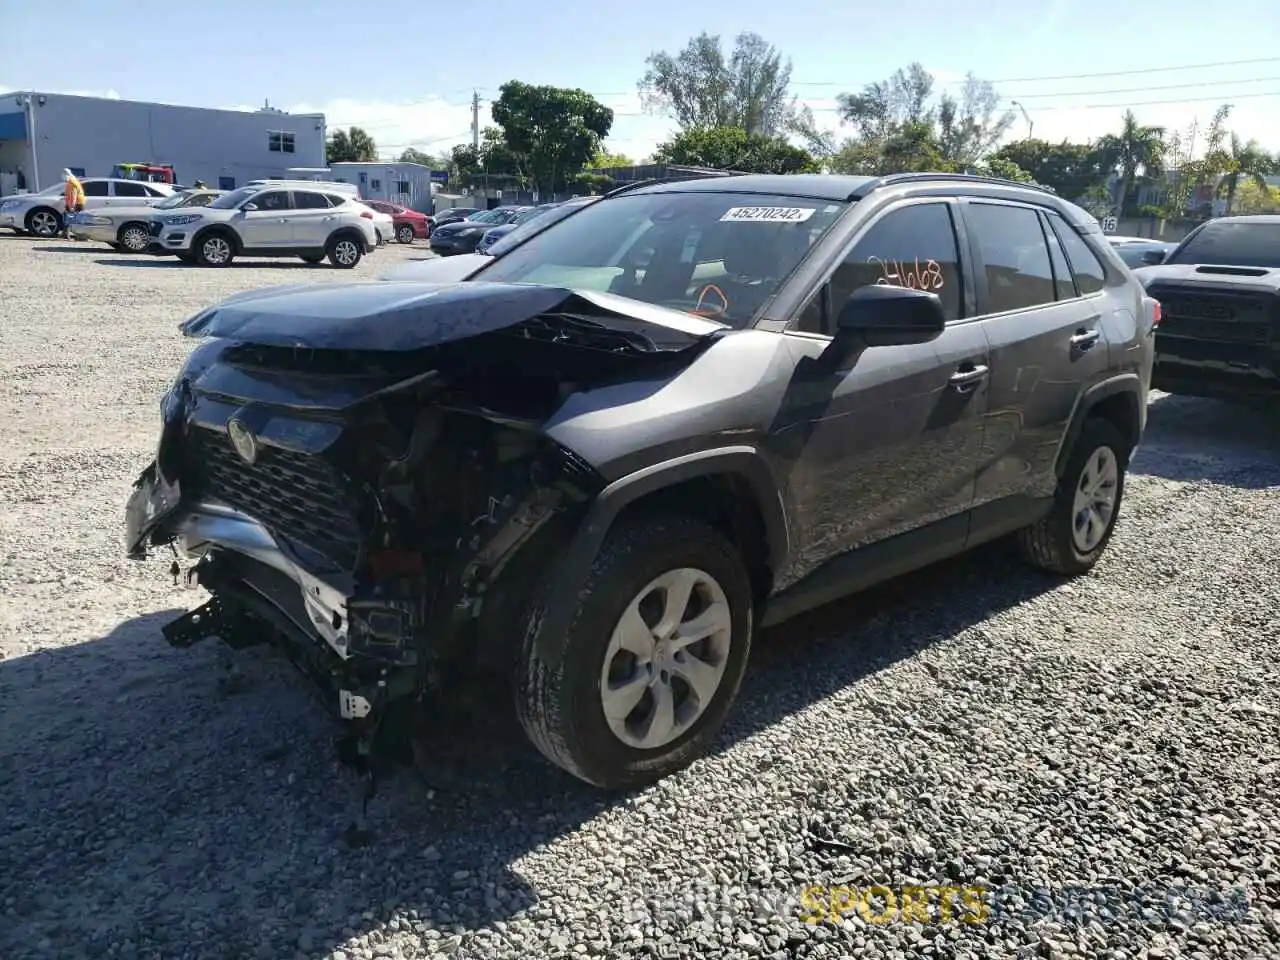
1005 169
1253 198
1068 169
898 125
494 160
1242 161
1135 152
604 160
554 130
412 155
350 146
732 148
703 89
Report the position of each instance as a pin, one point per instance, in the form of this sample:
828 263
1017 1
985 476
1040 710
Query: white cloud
102 94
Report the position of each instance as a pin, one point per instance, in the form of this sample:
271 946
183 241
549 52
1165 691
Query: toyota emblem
243 440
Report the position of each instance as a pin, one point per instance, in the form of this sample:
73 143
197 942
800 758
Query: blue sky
406 73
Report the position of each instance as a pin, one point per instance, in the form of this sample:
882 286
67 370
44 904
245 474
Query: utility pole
1025 116
475 121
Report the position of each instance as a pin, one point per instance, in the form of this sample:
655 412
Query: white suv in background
269 220
41 213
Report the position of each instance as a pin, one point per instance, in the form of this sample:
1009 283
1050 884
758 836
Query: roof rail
892 178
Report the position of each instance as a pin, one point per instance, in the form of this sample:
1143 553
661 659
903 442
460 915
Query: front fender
744 461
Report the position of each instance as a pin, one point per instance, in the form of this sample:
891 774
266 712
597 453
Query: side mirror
249 206
1153 257
885 316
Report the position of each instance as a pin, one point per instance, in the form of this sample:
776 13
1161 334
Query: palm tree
1136 150
1243 160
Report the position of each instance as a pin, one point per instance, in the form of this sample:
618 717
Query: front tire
215 250
344 252
1072 537
651 662
133 238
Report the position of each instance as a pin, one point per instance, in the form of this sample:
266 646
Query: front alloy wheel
215 251
640 683
44 223
666 658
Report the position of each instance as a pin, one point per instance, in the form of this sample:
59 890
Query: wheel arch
1117 399
732 488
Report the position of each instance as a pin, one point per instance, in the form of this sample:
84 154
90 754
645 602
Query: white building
408 184
41 133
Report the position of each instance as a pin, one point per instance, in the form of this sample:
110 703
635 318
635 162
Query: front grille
154 228
1222 317
300 497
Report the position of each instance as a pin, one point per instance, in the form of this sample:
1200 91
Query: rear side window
306 200
1015 257
1063 284
97 188
1088 269
124 189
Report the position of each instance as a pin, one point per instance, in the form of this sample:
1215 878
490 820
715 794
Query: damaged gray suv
606 458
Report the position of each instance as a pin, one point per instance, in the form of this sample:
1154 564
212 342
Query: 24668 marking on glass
896 273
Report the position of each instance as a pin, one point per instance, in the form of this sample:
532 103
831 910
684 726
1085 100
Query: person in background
199 185
73 197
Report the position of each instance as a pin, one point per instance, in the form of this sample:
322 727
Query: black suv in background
609 456
1219 292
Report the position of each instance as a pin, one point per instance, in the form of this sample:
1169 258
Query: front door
268 224
1044 322
889 441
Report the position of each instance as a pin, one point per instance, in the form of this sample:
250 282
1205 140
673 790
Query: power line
1171 86
1227 98
1130 73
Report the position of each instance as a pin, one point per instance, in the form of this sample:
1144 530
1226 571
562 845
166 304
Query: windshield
529 214
488 216
719 255
229 201
176 200
1226 244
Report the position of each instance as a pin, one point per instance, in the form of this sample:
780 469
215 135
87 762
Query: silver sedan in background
126 228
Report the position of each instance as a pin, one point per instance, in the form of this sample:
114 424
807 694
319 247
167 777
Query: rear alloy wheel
134 237
344 253
214 250
1072 537
44 222
404 233
652 660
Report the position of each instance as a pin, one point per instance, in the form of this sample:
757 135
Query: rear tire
562 707
215 249
1071 538
133 237
344 252
404 233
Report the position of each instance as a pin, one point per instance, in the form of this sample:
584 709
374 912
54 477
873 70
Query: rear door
128 193
1045 326
312 219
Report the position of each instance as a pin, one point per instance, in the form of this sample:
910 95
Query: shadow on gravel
144 796
1192 439
167 263
72 248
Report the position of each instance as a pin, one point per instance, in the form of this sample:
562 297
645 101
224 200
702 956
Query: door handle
1084 339
965 380
284 219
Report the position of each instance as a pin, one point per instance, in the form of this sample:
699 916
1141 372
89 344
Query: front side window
273 200
1015 256
914 247
721 255
1223 243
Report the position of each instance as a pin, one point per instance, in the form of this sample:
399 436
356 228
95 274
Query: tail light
367 214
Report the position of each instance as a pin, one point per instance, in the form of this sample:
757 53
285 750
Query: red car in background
410 224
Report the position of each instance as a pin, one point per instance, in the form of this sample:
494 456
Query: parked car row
41 214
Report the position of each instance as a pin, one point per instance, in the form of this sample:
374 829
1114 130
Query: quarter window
1090 275
911 247
1015 257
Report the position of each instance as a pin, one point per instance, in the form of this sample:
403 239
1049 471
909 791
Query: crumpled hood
396 316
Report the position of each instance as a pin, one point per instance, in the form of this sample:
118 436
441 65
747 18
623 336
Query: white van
330 186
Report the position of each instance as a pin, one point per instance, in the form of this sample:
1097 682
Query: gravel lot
974 725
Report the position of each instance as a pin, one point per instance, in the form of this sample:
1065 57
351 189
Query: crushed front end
359 506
